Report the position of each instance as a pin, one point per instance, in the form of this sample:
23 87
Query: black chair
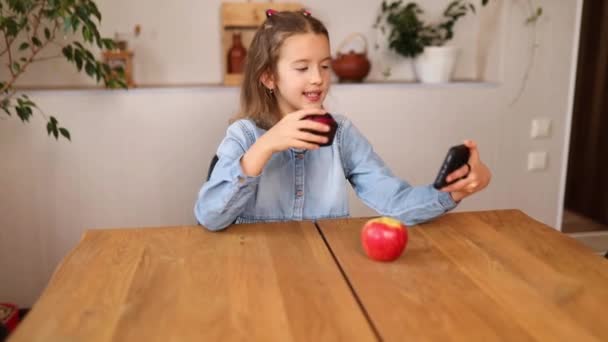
212 165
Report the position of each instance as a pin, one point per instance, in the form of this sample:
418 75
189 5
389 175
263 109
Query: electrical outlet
537 161
541 128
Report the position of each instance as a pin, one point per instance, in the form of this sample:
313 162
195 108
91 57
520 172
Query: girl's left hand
473 177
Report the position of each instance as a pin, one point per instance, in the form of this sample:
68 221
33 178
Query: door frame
569 114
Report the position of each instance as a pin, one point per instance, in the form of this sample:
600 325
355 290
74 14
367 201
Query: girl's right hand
289 132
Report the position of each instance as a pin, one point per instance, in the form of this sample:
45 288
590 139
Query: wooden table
489 276
483 276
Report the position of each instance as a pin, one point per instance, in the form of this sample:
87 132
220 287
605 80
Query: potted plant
409 36
29 26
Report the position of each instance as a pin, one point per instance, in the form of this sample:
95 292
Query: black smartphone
457 156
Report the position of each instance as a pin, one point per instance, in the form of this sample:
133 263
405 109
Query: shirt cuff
446 201
241 178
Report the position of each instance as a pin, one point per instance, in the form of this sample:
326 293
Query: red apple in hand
384 238
328 120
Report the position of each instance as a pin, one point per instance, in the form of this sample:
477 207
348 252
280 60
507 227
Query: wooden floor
575 223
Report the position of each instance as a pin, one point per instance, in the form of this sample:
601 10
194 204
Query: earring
271 90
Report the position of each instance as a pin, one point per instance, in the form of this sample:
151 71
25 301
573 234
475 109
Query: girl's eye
325 66
302 69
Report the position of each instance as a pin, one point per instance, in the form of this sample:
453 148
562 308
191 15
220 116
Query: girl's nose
315 77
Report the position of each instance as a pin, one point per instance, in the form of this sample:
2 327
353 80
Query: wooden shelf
244 18
454 84
123 59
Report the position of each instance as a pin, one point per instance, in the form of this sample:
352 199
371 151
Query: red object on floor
9 315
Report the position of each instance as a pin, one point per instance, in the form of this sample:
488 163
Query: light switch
537 161
541 128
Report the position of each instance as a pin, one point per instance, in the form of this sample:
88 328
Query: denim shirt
309 184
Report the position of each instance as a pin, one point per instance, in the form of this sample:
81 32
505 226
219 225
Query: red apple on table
384 238
325 119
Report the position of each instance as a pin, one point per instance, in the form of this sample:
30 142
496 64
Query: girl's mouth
313 96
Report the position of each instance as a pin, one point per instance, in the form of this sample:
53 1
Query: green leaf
86 34
23 46
90 69
16 67
95 11
4 105
108 43
89 55
24 100
106 68
36 41
67 24
75 25
98 71
68 52
24 113
12 28
51 127
65 133
78 58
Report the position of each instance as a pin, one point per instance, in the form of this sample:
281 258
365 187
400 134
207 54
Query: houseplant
28 27
409 36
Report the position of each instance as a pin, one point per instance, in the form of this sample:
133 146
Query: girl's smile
303 72
313 96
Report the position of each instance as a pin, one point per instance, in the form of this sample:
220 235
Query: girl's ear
267 80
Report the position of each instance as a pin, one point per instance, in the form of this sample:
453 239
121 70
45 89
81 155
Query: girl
271 167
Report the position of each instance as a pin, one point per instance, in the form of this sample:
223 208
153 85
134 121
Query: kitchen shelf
454 84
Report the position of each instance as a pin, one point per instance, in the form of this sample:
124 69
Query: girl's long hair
257 102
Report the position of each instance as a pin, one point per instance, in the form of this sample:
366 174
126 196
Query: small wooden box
245 18
121 58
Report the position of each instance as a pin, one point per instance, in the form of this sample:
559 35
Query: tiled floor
588 232
575 223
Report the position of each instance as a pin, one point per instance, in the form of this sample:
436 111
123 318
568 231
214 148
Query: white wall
139 157
180 44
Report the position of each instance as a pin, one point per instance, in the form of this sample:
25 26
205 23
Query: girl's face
303 72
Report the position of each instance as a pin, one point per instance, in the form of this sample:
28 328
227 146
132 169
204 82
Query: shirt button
300 156
300 193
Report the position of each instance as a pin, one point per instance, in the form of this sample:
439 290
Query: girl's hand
288 132
474 176
285 134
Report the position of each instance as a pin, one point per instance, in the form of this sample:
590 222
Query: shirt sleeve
379 189
225 195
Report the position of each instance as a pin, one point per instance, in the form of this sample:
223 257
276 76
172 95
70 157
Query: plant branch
530 64
38 18
10 58
6 49
17 33
9 84
531 20
7 97
30 26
